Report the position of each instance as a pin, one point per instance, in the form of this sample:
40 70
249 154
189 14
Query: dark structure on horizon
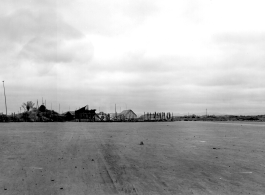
157 116
126 115
85 115
69 115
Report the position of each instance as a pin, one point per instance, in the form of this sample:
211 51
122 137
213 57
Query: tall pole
5 95
115 111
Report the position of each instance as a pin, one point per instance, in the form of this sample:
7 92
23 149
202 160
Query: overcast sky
147 55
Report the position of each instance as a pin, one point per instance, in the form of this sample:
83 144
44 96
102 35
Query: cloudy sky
147 55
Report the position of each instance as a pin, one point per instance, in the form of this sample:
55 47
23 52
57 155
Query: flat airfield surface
107 158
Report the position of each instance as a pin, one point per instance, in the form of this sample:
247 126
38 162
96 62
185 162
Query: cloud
43 49
153 55
24 24
109 18
242 43
25 27
42 38
139 10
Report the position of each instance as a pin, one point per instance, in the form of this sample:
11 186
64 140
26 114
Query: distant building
85 115
113 116
127 115
69 116
101 116
160 116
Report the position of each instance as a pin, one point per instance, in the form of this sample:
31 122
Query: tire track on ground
115 171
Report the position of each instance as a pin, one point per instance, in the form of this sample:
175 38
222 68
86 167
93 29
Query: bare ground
107 158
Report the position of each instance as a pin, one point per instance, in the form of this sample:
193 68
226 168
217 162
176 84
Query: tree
27 106
42 108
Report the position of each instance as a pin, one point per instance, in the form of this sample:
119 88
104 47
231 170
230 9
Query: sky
146 55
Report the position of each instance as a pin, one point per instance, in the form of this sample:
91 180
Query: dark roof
69 112
82 109
85 109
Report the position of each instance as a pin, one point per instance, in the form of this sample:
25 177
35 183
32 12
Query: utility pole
59 108
206 111
115 111
5 95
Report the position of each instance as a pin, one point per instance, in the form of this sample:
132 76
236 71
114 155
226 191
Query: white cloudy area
147 55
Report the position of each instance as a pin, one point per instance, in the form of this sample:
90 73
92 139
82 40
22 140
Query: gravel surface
132 158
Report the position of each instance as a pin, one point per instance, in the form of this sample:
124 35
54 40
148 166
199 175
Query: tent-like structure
127 114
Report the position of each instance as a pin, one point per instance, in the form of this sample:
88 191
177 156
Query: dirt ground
107 158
